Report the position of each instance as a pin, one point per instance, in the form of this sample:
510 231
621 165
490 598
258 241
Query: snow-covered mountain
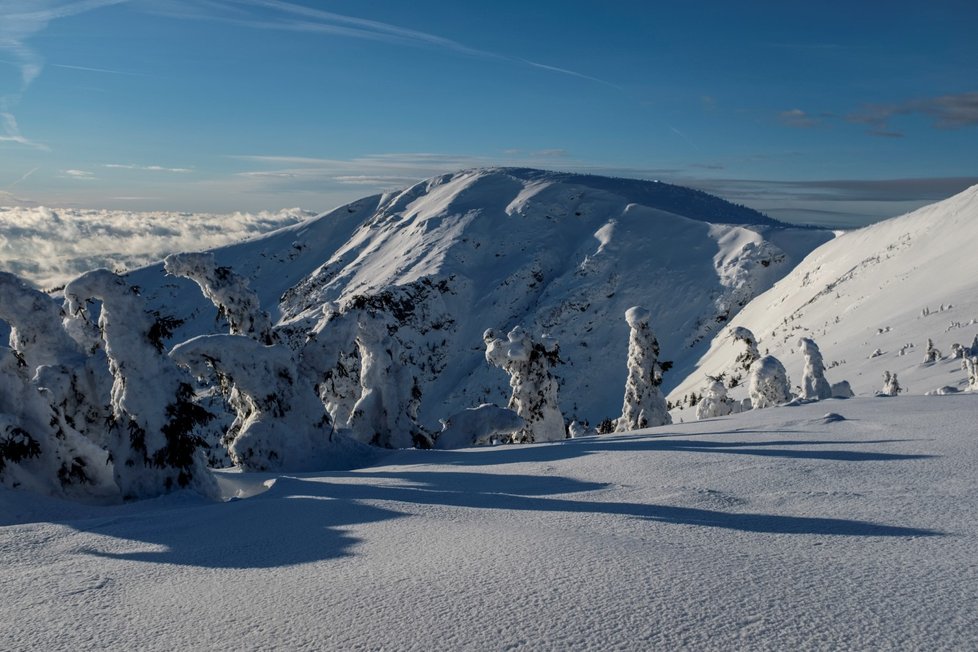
871 299
556 253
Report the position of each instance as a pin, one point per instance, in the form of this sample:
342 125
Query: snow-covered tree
76 382
644 405
971 366
39 450
715 402
891 386
386 414
750 353
478 426
814 386
151 440
228 291
769 384
931 354
330 358
534 398
281 424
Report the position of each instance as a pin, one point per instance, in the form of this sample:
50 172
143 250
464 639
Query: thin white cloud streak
100 70
25 177
146 168
20 20
326 22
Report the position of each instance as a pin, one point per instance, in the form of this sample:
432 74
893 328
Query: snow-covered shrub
39 450
931 354
386 414
534 398
228 291
151 439
958 352
715 402
478 426
768 383
842 389
644 405
891 386
814 386
281 424
876 353
577 429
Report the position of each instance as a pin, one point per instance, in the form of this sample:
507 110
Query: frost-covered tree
228 291
971 366
534 397
931 354
478 426
76 382
814 386
281 425
386 414
891 386
769 384
151 440
644 405
715 402
39 450
750 353
330 358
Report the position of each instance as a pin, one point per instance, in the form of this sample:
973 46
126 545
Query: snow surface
890 286
779 529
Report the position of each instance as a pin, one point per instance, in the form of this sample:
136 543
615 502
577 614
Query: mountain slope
566 254
886 287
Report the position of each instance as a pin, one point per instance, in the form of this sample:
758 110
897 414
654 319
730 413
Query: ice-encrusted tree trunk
644 405
76 382
931 354
281 425
534 388
715 402
814 386
152 441
228 291
769 384
891 386
39 450
386 414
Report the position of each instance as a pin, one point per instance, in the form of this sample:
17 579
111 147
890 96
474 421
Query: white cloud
50 246
83 175
146 168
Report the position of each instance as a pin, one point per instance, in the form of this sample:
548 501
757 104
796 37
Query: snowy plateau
364 518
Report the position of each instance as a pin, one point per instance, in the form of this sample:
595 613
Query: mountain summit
556 253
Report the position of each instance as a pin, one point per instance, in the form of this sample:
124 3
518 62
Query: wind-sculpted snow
559 254
841 525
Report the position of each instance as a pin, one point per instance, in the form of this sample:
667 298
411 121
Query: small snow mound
832 417
943 391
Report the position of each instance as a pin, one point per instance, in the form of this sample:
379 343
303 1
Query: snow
772 529
872 299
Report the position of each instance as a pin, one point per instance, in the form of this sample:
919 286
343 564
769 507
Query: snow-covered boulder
534 397
842 389
644 405
768 383
478 426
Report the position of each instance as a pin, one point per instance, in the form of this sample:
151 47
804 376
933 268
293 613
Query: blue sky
834 111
